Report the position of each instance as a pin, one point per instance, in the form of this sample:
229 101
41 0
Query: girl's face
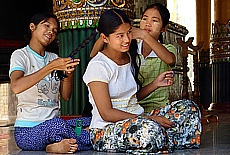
45 32
120 39
152 22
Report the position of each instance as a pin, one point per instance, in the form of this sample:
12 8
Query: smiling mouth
126 45
48 36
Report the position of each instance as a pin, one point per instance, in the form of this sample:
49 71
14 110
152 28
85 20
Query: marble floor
215 140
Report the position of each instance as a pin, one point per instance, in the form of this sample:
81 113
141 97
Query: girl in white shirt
111 77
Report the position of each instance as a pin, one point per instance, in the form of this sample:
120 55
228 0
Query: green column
77 20
68 41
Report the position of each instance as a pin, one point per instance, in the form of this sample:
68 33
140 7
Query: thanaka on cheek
156 27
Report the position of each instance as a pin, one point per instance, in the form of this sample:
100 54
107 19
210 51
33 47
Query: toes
70 152
72 141
64 146
73 148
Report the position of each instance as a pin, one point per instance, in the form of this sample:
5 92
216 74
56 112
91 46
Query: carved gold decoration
220 42
74 14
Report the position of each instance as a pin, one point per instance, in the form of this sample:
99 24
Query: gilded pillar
203 31
221 11
203 27
220 56
78 18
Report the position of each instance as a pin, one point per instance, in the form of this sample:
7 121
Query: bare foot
86 128
64 146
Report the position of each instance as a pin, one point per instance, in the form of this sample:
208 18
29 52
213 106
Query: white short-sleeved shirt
40 102
121 84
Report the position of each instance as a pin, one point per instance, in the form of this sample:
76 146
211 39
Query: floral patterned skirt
142 135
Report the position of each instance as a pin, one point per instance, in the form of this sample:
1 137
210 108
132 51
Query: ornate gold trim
86 13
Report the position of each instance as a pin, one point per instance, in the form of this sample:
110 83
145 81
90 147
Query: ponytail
84 43
160 38
135 62
59 75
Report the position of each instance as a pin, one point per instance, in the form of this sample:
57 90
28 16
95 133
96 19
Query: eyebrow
152 17
119 33
123 33
49 23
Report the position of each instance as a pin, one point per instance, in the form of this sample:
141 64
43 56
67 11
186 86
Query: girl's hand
72 66
138 33
165 79
162 121
66 64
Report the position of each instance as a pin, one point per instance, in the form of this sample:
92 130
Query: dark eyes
153 20
54 30
120 36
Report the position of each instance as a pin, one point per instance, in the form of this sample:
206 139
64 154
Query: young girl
154 57
35 82
111 78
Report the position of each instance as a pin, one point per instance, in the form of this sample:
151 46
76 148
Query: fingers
136 33
170 82
167 123
71 61
64 63
169 74
165 79
70 64
163 121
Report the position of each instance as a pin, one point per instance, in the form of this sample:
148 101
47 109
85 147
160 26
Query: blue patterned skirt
51 131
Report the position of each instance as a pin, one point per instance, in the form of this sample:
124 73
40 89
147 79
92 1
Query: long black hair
134 59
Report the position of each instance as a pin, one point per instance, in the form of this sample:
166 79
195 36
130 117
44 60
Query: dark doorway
15 16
